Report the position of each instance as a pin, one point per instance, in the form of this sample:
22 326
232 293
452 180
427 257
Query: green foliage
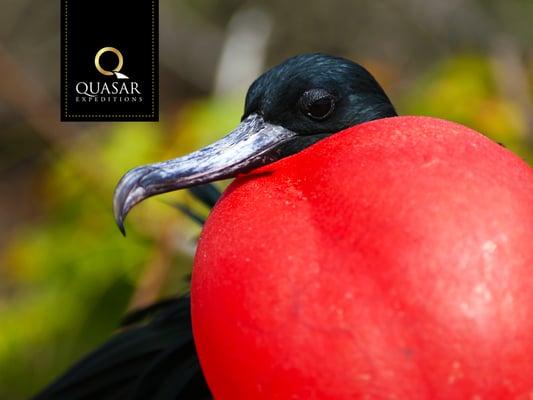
463 89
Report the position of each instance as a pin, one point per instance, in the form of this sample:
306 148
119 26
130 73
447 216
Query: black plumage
151 357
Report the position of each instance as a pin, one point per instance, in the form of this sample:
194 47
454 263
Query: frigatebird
315 107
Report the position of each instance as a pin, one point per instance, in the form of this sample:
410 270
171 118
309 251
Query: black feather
153 357
207 194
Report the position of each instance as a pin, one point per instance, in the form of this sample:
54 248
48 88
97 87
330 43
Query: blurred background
67 275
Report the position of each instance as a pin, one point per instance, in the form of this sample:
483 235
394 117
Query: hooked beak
252 144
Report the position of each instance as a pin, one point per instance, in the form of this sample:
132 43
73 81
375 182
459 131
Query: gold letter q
105 50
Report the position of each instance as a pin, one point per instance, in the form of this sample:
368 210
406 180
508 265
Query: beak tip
127 193
121 228
119 220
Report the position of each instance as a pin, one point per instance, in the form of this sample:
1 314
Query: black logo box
130 27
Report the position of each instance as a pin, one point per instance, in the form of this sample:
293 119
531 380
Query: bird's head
288 108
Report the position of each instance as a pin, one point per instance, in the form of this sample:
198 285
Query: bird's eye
317 104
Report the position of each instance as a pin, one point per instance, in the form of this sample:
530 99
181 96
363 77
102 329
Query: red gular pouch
391 260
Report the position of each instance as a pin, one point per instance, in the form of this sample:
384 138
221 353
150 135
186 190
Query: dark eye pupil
320 108
317 103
